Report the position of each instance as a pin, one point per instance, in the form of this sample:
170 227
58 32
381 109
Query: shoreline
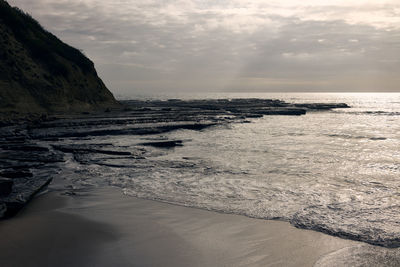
105 228
32 143
100 226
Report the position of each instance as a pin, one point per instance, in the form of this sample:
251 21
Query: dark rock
144 130
24 147
16 139
114 162
51 139
88 149
249 115
3 209
111 165
49 157
164 144
17 165
16 174
5 186
322 106
281 111
22 192
69 193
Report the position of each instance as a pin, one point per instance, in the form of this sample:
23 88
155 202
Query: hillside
41 74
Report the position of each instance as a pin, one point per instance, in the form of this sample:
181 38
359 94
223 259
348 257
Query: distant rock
322 106
41 74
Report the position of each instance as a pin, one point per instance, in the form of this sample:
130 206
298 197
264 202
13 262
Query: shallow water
334 171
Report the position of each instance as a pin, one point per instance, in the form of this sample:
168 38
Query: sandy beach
106 228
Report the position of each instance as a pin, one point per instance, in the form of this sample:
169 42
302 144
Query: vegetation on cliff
39 73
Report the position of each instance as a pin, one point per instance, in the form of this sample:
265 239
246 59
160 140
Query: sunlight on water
335 171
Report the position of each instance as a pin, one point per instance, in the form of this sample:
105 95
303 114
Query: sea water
334 171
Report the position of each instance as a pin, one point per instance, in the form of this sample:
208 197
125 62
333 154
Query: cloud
232 44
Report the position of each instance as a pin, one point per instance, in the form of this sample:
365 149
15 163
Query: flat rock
156 128
24 189
16 173
322 106
281 111
164 144
5 186
89 149
18 165
31 156
24 147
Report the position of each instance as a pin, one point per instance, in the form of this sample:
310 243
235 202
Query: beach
105 228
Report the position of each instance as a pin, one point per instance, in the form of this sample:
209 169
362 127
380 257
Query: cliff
41 74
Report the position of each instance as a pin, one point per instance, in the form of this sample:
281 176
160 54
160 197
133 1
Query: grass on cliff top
42 45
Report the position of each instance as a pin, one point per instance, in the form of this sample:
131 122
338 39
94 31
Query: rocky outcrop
23 190
31 153
41 74
18 184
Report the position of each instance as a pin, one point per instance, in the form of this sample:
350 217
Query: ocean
334 171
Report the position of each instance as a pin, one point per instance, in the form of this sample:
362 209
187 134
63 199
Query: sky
232 45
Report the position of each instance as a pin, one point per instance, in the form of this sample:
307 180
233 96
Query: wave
361 224
370 217
349 136
361 255
369 112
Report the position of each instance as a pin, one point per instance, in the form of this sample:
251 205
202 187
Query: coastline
97 226
31 143
105 228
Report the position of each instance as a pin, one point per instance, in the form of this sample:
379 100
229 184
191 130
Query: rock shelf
31 151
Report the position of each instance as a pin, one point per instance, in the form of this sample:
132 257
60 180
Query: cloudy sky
232 45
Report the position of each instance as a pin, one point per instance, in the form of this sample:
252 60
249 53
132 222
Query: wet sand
106 228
